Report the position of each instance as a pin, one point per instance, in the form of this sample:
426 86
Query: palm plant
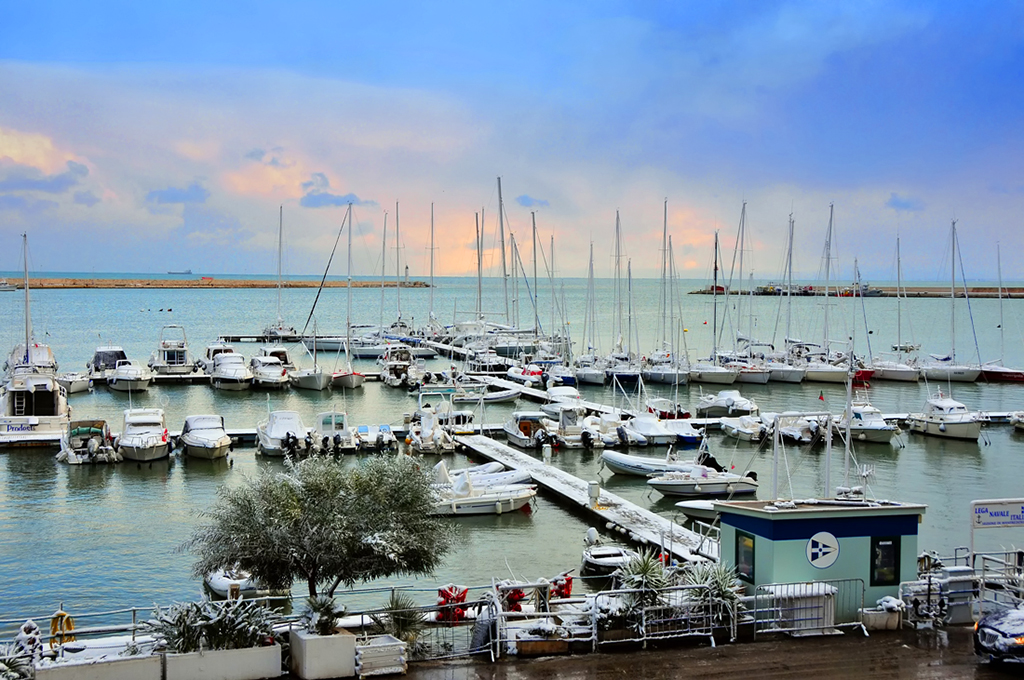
321 614
718 594
400 618
14 664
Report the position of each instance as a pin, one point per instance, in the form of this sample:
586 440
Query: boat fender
942 427
587 438
751 474
623 437
497 507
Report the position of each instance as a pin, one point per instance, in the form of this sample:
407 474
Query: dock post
545 453
594 493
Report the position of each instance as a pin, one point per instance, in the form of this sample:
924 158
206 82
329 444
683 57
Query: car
1000 635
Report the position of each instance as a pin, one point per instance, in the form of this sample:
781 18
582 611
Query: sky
148 137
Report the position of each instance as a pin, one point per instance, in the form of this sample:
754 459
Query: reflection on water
109 536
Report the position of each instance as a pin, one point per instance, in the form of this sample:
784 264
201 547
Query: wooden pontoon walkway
638 524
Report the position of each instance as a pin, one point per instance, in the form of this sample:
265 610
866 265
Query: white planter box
875 619
254 663
129 668
382 655
323 656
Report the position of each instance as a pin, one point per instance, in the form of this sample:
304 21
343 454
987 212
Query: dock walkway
640 525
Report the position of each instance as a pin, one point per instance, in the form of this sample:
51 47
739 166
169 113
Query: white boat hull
969 430
74 382
786 374
129 384
230 384
32 430
951 373
754 377
698 487
311 380
713 377
348 381
640 466
144 453
874 435
486 504
825 375
907 374
590 376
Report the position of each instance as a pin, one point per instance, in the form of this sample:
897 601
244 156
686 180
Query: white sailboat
780 368
897 368
279 329
33 405
710 371
946 367
817 365
347 377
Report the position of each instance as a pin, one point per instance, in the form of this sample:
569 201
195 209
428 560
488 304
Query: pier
638 524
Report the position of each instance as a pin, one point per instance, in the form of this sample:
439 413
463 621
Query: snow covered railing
810 608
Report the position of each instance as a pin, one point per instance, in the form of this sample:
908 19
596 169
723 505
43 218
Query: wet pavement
944 653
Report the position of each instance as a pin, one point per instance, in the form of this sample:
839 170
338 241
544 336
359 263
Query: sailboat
709 371
348 378
315 378
897 368
662 366
33 405
780 368
995 371
750 371
279 330
589 366
946 367
818 366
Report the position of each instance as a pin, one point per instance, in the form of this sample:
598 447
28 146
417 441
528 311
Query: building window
885 561
745 556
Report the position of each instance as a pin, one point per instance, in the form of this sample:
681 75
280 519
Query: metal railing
812 608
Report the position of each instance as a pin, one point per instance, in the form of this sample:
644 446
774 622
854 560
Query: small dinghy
602 560
745 428
235 583
643 466
87 441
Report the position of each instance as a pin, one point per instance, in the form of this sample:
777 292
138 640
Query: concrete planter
254 663
381 655
130 668
874 619
541 647
323 656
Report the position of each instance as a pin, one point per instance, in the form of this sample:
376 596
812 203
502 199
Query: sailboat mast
515 279
789 284
479 272
280 243
398 262
536 312
739 289
714 307
899 310
501 239
348 292
431 261
952 294
663 297
828 271
383 273
629 288
28 314
999 270
617 326
671 273
551 280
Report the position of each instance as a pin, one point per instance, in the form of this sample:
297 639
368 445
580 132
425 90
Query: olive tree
326 524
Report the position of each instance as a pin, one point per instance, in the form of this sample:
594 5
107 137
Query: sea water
97 538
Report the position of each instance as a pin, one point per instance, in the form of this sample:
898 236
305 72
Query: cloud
195 193
30 179
256 155
317 195
528 202
24 205
86 198
904 204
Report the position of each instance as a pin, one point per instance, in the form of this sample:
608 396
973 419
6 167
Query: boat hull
698 488
754 377
872 435
484 505
825 375
144 454
230 384
969 430
129 384
1002 375
348 381
311 381
786 374
952 373
638 466
899 374
713 377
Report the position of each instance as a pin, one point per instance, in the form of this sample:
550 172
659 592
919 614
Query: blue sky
175 132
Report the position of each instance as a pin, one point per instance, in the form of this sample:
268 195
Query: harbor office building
785 542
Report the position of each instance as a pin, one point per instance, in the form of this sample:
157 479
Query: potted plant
718 598
233 640
319 649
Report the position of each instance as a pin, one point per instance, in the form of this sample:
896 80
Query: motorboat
87 441
172 356
699 510
333 434
703 372
438 402
465 396
650 428
233 583
104 360
482 476
643 466
376 437
7 287
230 372
526 430
75 382
205 362
745 428
686 434
283 433
565 429
427 435
279 352
666 409
794 428
560 374
34 408
463 499
702 480
560 396
203 436
725 403
129 376
530 375
1017 420
144 435
486 361
602 560
946 417
398 368
608 429
866 424
33 356
888 369
268 372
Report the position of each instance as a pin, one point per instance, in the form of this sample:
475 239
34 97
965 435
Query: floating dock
638 524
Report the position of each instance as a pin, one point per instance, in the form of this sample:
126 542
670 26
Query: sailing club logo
822 550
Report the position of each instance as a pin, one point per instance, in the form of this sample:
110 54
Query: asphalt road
900 654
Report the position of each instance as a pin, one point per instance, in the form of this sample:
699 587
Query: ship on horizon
186 272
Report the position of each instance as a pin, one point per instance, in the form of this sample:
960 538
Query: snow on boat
144 436
463 499
643 466
650 428
203 436
725 403
701 480
745 428
283 432
87 441
74 382
235 582
602 560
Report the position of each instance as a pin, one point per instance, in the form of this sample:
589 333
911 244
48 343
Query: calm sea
105 537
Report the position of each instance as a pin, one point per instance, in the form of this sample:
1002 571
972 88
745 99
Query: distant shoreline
205 282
